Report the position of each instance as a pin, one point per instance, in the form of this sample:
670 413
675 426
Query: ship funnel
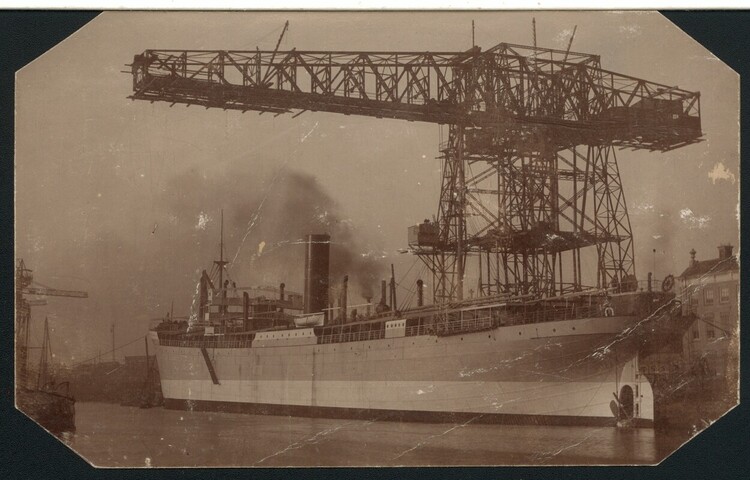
344 299
393 288
383 305
205 283
317 252
245 309
420 293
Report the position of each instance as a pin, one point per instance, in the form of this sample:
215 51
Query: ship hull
54 412
570 372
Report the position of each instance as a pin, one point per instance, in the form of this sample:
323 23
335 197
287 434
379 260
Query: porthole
554 329
519 333
574 328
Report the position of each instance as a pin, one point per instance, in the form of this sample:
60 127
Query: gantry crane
24 280
530 180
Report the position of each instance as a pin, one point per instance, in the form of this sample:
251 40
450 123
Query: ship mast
46 354
221 263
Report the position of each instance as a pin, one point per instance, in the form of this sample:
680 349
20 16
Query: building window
708 296
696 334
710 332
724 295
725 322
693 300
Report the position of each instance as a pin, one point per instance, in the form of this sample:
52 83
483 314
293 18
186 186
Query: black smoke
266 219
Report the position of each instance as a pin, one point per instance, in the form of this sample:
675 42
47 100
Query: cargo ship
564 360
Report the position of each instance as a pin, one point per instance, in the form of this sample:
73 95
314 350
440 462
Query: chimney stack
725 251
693 261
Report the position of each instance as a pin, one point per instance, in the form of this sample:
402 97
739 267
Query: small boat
49 404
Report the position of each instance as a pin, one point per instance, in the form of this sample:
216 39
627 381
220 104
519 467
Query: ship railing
494 319
572 312
464 326
416 330
352 336
207 342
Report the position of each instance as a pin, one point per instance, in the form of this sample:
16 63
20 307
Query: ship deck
471 316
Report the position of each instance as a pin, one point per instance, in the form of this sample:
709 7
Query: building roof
715 265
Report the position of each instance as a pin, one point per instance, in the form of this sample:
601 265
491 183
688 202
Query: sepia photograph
355 239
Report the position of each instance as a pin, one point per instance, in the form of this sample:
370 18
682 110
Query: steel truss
526 218
530 177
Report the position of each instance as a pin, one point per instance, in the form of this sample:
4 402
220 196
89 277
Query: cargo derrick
530 176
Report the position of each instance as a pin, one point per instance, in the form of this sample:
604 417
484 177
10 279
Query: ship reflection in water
170 438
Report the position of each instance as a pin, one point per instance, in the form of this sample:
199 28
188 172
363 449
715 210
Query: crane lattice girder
566 97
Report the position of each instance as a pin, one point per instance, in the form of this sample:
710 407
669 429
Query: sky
122 199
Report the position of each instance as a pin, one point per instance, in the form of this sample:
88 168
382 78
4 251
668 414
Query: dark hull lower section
395 415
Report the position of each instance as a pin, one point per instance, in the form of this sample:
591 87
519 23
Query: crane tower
24 286
530 179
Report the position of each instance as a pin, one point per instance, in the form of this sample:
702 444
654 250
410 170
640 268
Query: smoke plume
265 222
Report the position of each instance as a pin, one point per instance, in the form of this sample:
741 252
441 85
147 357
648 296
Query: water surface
115 436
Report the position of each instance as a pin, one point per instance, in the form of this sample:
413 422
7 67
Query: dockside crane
530 179
24 281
